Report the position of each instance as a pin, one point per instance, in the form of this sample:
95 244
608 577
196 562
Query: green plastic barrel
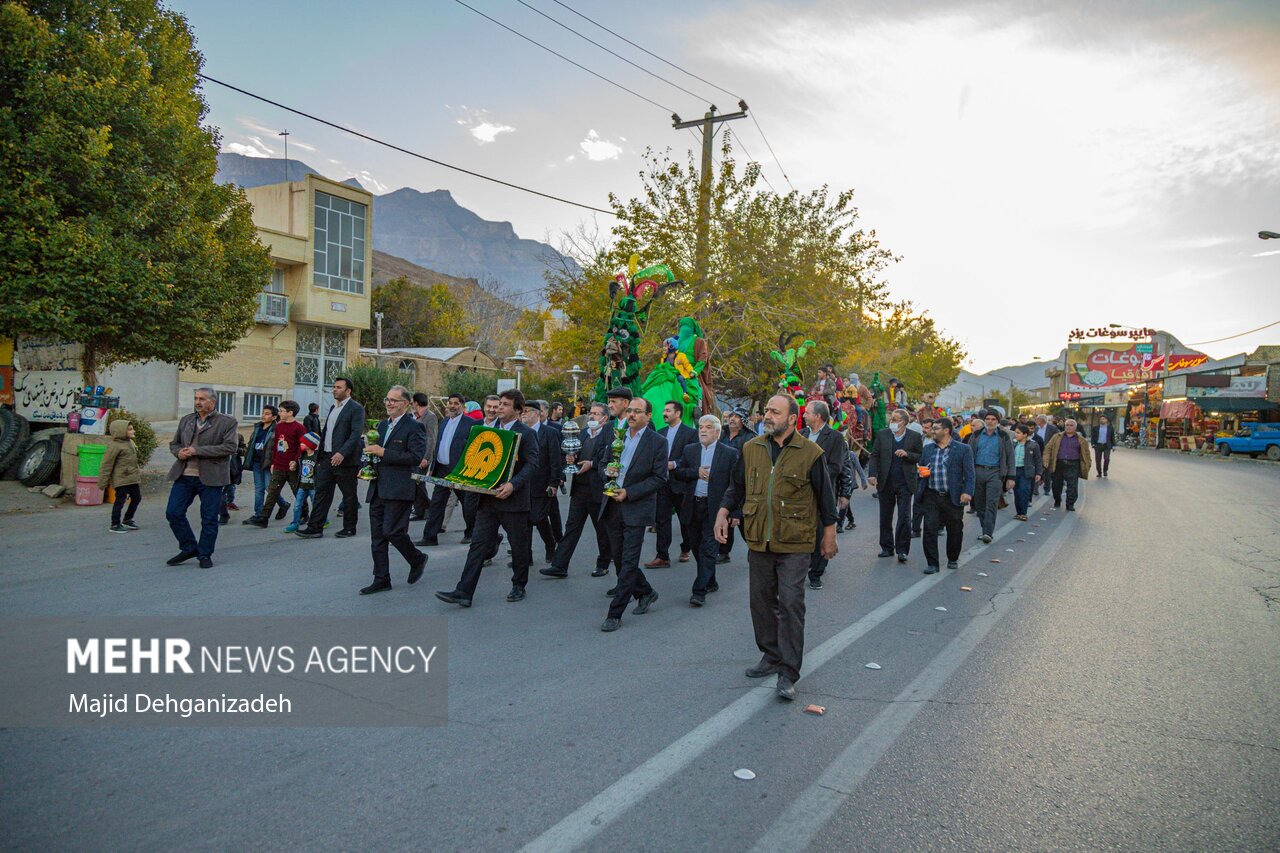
90 459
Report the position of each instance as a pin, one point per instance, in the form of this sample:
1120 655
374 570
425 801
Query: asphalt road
1110 684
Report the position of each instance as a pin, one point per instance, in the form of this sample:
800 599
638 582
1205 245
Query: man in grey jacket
835 453
993 462
202 447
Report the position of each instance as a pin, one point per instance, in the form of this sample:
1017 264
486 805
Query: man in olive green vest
781 495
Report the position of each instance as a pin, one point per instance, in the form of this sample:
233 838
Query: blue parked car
1253 439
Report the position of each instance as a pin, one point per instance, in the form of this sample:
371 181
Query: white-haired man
707 464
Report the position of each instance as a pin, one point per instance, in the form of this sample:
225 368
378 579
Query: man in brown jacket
202 447
781 491
1067 460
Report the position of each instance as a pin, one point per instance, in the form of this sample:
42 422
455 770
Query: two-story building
311 313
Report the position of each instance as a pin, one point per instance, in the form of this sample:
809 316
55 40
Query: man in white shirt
450 444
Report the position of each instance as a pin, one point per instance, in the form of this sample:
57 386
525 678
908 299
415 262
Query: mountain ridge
429 229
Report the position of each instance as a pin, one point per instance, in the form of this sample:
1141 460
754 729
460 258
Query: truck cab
1253 439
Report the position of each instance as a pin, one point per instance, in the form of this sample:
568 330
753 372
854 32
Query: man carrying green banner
491 452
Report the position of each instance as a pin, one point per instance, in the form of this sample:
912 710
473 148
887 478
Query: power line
646 52
771 151
682 71
402 150
565 58
611 53
738 139
1229 337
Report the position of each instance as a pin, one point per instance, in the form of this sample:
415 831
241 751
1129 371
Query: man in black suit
431 426
627 512
553 508
401 444
338 462
584 497
451 441
1044 431
545 480
671 496
707 464
507 507
895 453
835 453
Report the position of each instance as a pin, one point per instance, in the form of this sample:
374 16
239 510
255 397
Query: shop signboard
1145 349
1241 386
1175 386
1095 367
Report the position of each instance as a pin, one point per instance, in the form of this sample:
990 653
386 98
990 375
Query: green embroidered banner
487 460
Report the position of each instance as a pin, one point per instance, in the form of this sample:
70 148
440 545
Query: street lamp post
519 360
1010 381
576 372
377 315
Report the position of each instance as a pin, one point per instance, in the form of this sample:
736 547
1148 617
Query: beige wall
263 361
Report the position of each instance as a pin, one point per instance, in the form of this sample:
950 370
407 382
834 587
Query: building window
339 243
254 403
226 402
410 370
321 355
276 285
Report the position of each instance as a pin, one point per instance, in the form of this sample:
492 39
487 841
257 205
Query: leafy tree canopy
419 316
794 263
115 234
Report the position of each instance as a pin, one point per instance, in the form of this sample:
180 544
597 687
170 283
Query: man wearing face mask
584 497
894 456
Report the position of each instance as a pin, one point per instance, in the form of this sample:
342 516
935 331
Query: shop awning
1233 404
1178 410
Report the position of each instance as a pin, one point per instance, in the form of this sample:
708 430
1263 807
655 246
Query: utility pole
703 231
285 134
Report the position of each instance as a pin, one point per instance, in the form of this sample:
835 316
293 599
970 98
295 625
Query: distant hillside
493 316
429 229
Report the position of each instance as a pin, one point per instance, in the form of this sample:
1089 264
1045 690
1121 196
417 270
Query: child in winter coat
120 471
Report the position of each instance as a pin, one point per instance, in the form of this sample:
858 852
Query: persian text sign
1094 366
1241 386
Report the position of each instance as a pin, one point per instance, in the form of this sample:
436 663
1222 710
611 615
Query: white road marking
592 817
808 813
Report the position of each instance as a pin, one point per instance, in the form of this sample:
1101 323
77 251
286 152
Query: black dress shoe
224 519
952 564
415 571
916 534
815 583
553 573
721 559
254 521
417 517
1071 509
309 534
612 592
179 559
786 688
284 508
599 573
884 553
611 624
431 542
642 606
466 540
902 558
930 570
344 534
697 600
205 562
713 587
454 597
762 669
376 586
516 594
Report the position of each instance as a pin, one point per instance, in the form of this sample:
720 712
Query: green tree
419 316
372 382
902 342
795 262
115 234
471 384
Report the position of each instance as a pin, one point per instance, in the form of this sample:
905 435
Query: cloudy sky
1039 166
